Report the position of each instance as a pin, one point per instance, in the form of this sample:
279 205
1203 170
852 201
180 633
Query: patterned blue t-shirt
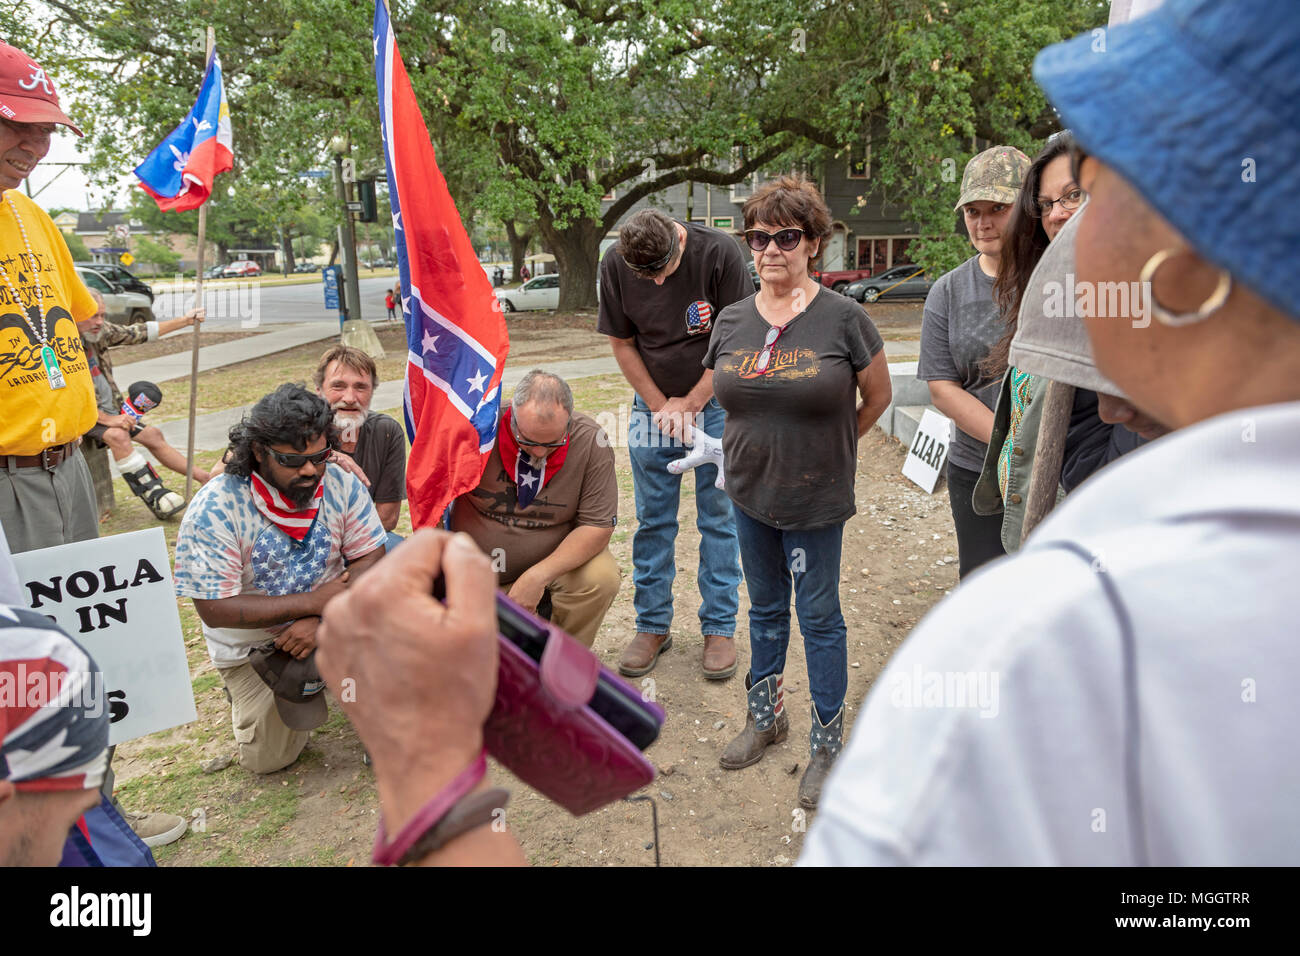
227 547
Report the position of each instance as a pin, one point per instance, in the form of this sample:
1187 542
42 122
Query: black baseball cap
297 686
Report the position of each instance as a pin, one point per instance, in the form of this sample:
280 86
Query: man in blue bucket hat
1132 706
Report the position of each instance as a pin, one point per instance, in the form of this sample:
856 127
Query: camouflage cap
995 175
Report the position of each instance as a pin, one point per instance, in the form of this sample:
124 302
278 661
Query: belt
49 459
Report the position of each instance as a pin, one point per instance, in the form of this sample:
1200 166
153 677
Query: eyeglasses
765 356
521 440
786 239
297 461
1069 202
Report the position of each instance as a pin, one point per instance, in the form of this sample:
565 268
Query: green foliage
538 108
77 246
157 254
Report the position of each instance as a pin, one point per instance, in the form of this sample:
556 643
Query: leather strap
49 459
469 814
428 816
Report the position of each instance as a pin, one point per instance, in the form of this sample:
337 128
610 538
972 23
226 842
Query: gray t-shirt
960 327
791 440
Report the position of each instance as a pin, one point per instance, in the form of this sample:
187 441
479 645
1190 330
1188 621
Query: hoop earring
1208 307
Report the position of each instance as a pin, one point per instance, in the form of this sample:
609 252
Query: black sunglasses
786 239
652 269
522 441
297 461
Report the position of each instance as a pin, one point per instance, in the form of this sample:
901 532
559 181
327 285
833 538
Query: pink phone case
542 729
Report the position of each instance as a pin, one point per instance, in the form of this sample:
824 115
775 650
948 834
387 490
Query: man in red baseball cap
47 398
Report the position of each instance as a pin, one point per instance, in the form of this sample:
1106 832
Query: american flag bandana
53 707
521 471
295 522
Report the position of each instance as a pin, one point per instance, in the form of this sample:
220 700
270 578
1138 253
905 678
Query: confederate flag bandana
530 480
295 522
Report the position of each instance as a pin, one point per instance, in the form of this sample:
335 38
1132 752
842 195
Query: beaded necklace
50 360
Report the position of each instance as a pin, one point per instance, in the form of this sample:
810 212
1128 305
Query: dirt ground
899 559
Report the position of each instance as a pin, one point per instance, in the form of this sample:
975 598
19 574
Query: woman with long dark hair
1047 200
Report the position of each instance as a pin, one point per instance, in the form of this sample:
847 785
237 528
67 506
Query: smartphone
616 703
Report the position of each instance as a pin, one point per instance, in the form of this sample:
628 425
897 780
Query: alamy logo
103 909
976 690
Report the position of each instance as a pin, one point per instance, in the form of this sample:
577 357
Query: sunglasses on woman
297 461
786 239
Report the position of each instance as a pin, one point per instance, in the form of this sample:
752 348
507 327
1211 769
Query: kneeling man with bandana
546 507
262 548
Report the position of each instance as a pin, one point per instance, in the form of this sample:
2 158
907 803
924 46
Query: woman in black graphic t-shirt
788 366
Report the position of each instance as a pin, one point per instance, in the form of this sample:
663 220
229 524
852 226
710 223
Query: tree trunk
518 247
286 251
576 250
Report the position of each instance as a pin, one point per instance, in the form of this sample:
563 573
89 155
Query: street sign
331 276
314 174
354 206
126 258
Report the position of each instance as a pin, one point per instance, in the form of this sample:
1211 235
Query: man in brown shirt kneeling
546 507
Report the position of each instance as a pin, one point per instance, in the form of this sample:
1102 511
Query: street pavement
233 304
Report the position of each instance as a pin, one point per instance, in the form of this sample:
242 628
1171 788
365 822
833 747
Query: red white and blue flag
455 330
179 173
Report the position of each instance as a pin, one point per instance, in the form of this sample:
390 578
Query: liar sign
929 450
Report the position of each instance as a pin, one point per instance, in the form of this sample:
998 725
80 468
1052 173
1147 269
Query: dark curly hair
290 415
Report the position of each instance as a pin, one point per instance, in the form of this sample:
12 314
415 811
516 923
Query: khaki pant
581 598
265 743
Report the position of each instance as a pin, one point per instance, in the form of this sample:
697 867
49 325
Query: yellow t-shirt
34 416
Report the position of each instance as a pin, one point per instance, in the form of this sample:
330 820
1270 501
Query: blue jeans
773 557
654 543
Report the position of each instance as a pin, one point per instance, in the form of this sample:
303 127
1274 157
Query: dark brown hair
646 237
350 357
791 201
1022 246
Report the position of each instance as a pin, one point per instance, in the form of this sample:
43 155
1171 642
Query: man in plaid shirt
119 421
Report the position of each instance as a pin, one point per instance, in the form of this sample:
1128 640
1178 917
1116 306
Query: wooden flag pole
198 303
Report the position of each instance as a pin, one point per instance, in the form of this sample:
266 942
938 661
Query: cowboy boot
825 741
145 483
766 723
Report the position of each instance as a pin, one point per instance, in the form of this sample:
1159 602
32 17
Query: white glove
706 450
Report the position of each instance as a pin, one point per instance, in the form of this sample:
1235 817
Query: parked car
839 280
244 267
216 272
306 267
897 283
124 308
116 274
542 292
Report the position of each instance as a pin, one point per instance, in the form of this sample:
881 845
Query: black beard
298 496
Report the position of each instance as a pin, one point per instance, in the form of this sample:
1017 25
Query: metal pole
198 301
343 238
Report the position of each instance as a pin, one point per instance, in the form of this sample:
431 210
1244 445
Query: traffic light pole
347 246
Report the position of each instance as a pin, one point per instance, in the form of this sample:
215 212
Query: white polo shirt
1000 732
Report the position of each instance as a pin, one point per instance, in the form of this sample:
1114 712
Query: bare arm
638 376
364 563
967 412
877 392
192 317
578 547
389 512
261 610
